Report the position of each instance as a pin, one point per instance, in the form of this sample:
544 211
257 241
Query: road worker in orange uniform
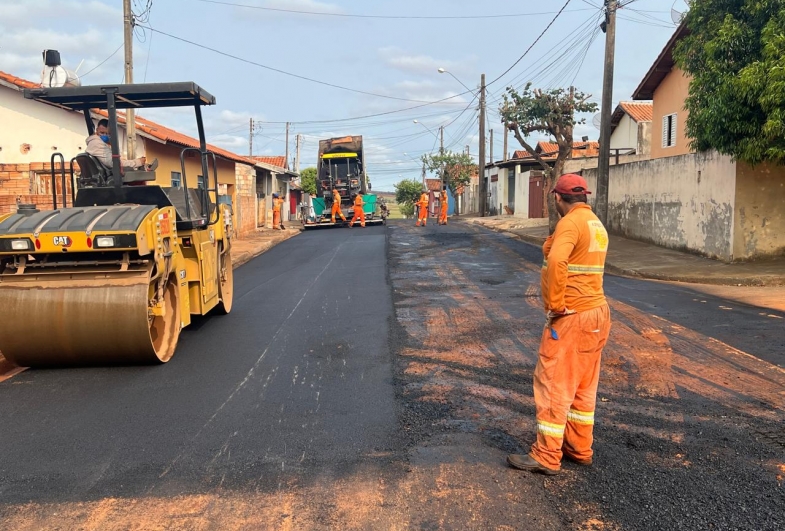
422 209
443 206
337 206
358 211
277 206
577 327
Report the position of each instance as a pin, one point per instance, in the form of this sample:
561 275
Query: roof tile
638 111
278 160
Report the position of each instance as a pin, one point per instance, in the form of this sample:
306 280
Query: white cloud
302 5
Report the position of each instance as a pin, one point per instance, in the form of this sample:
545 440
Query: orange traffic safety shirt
443 197
277 203
358 202
574 262
423 202
336 197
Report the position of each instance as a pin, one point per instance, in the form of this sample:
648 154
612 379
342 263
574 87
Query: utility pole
504 155
601 202
481 165
491 133
128 38
441 139
286 157
297 154
423 174
250 139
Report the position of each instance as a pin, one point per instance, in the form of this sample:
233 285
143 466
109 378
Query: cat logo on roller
62 241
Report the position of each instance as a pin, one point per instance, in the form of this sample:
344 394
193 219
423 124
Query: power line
284 72
102 62
392 17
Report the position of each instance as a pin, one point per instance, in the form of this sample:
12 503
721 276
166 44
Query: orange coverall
337 206
277 204
568 368
443 212
422 212
358 211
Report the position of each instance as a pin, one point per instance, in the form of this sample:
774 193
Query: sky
343 67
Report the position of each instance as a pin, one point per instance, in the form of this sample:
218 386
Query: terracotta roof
434 185
661 67
278 160
521 154
166 135
551 149
638 111
17 81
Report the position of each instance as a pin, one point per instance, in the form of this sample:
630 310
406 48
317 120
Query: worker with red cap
577 327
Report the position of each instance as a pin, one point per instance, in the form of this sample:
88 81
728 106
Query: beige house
700 202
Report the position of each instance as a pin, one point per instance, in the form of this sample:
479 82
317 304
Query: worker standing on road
443 206
277 206
576 330
337 206
358 210
422 209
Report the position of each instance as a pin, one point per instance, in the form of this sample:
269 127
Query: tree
457 168
407 192
735 55
552 113
308 180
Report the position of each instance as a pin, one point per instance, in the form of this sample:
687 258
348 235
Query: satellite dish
596 120
676 16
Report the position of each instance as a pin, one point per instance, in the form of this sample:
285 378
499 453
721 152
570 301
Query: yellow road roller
113 278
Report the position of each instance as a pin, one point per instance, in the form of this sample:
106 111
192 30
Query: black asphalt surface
297 378
305 380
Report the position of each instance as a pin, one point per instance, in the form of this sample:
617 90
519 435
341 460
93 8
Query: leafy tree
548 112
308 180
457 168
407 192
735 56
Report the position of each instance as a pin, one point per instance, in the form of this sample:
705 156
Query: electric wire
102 62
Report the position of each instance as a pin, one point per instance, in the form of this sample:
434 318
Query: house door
535 195
493 207
511 192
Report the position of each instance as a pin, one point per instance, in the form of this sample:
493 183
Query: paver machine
341 165
113 278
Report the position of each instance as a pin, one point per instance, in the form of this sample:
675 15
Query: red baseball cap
571 184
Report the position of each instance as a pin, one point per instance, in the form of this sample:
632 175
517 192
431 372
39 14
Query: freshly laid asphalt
324 374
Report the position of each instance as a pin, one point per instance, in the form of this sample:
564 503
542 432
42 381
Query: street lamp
428 128
443 71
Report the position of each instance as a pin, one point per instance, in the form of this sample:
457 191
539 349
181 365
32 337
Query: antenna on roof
676 16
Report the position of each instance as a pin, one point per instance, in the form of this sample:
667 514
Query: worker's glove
551 316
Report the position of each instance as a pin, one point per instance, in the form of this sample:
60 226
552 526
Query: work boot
577 461
527 462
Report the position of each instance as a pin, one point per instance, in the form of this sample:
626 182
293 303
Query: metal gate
535 195
511 192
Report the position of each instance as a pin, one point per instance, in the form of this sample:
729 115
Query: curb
638 274
246 256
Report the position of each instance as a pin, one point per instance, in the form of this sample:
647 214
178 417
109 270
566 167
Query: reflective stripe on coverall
358 211
443 213
277 204
568 368
422 212
337 206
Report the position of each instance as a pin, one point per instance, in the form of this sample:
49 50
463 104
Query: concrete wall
644 139
522 194
684 202
759 220
668 99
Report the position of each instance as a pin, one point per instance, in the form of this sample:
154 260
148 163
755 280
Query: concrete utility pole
601 201
250 139
504 155
128 37
481 165
286 157
441 139
490 131
423 174
297 154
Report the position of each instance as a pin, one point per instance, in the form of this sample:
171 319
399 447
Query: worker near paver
577 327
443 206
277 206
422 209
337 206
358 210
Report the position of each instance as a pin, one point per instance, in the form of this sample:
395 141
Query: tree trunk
550 199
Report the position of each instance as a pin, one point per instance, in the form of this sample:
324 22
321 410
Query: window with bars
669 130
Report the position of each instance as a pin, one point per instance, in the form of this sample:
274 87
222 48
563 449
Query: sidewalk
254 244
637 259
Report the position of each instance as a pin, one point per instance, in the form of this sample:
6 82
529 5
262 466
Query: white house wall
683 202
522 195
625 136
47 129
